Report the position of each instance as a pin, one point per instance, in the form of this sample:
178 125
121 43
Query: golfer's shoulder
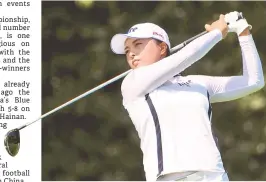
127 82
127 86
132 86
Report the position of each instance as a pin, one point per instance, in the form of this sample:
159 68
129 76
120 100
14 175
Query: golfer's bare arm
223 89
145 79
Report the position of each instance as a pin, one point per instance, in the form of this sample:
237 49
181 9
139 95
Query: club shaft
77 98
173 50
180 46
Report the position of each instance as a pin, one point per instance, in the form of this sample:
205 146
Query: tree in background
94 138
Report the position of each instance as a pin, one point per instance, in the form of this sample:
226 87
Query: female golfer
172 112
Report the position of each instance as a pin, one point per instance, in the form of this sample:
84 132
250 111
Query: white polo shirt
172 114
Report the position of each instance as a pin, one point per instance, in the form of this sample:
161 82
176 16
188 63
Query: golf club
12 138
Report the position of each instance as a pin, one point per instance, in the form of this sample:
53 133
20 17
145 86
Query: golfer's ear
163 48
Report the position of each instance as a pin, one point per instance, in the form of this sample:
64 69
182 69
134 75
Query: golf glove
235 24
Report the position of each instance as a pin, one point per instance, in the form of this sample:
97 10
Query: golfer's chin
142 64
139 64
136 65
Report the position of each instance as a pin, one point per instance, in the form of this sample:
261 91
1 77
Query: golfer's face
141 52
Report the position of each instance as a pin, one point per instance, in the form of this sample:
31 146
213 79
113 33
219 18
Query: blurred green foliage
94 139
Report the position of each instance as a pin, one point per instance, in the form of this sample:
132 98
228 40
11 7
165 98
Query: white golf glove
235 25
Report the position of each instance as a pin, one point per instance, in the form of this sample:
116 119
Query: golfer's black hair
168 50
168 53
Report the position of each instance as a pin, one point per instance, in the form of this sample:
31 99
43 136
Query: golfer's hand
219 24
241 27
